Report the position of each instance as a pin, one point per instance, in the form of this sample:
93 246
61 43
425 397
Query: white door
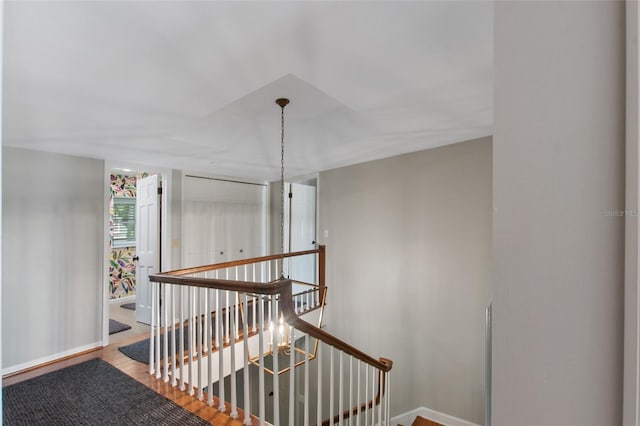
302 231
147 244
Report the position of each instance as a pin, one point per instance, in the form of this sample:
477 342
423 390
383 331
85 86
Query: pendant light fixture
280 331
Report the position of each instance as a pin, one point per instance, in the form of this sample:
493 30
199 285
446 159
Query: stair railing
209 319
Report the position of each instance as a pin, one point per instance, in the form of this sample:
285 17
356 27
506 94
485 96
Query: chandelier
281 336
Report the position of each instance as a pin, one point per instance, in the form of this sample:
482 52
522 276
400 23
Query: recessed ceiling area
192 85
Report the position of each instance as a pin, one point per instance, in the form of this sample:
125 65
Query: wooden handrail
290 316
241 286
213 267
282 287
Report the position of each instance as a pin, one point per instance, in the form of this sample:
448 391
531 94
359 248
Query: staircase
287 370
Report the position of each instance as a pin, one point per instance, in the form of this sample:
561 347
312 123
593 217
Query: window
123 228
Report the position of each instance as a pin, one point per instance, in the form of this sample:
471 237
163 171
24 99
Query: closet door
196 229
223 221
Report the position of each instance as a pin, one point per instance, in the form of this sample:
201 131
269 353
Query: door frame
165 225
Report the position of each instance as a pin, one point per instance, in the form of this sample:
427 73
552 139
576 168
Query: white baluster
380 390
373 396
358 416
165 338
292 380
253 301
340 390
227 332
220 345
232 328
158 336
366 389
181 341
319 395
152 328
199 341
351 390
190 342
331 391
275 339
261 406
237 308
210 336
173 336
245 339
206 317
388 385
306 380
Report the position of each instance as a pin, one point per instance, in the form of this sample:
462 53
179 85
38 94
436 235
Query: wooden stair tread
421 421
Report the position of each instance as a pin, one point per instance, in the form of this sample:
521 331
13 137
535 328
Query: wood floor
139 372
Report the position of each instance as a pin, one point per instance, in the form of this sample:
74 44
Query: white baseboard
46 359
126 299
445 419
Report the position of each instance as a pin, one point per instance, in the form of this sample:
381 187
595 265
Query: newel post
321 271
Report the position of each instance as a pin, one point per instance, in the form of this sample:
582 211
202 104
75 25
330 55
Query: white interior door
147 243
302 231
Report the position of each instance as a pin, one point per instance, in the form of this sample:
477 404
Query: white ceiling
191 85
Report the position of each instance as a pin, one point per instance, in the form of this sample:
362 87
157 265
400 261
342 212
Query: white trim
46 359
1 127
433 415
631 372
126 299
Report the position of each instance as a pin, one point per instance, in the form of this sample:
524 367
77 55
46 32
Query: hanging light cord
282 190
282 102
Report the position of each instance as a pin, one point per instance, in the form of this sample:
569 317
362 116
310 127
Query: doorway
300 229
130 257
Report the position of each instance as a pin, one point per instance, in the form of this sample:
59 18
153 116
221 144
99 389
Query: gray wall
52 249
408 270
558 166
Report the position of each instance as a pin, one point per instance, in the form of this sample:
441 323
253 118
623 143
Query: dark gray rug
131 306
91 393
139 351
117 326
